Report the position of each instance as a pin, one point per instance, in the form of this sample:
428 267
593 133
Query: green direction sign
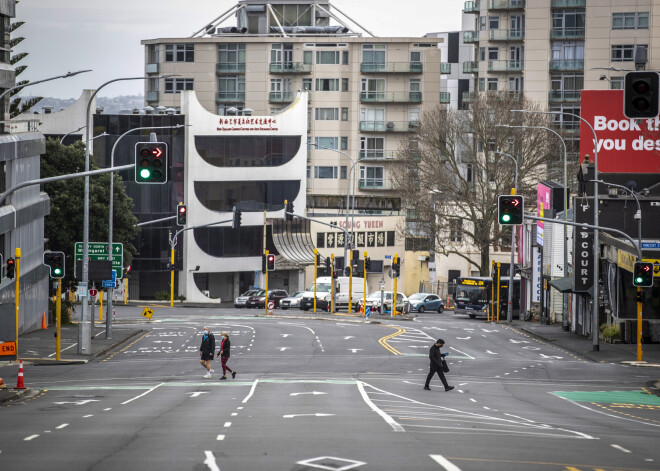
99 251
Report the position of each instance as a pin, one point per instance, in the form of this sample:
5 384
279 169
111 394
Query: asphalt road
337 394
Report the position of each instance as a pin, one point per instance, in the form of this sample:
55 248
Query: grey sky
68 35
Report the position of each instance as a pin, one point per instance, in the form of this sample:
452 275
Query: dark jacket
436 356
225 345
208 345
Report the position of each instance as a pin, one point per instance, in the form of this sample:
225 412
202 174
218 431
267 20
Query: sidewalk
38 348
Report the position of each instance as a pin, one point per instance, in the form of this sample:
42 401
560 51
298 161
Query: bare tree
449 177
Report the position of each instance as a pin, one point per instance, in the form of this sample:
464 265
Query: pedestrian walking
437 359
224 354
206 350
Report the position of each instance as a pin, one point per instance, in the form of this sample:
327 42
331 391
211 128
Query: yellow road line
127 346
570 466
383 341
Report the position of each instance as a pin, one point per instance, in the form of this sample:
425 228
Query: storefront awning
294 240
563 285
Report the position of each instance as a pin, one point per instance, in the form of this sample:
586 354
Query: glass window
416 57
344 85
482 53
482 84
344 57
327 142
373 53
344 143
492 83
415 85
177 85
325 172
630 20
308 57
327 57
326 114
616 83
372 147
252 195
247 151
327 85
180 52
343 172
625 52
372 176
482 23
493 22
232 53
344 114
493 53
307 84
227 242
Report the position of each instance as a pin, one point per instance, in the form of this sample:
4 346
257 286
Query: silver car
242 299
292 301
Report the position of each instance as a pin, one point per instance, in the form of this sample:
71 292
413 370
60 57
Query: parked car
292 301
252 300
242 299
374 301
259 300
421 302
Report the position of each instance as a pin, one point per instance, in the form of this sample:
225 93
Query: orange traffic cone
20 384
44 324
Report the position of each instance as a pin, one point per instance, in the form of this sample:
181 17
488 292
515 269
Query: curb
653 387
16 394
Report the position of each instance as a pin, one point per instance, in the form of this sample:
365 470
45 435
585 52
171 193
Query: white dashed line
445 463
210 461
473 400
87 416
620 448
220 437
59 427
31 437
234 414
227 424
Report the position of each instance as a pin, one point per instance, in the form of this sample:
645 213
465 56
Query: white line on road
470 357
227 425
210 461
220 437
317 414
234 414
143 394
254 386
445 463
107 408
31 437
619 447
473 400
393 423
87 416
59 427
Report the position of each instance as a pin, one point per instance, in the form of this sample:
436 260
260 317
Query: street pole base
596 348
565 328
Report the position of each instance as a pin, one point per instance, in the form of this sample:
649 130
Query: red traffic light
181 211
270 262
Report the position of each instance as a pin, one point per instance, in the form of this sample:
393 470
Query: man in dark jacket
206 351
436 365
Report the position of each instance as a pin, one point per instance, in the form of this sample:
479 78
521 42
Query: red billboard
624 145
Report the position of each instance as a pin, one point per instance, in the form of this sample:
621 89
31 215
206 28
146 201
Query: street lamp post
509 310
596 254
67 75
565 297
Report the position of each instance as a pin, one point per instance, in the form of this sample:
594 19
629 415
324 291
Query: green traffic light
145 173
58 271
506 218
639 279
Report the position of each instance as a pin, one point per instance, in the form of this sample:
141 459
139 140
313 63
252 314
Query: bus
473 296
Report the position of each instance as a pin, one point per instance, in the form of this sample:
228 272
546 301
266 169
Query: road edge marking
397 427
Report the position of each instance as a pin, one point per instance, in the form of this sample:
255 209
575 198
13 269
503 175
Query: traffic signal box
289 209
236 220
270 262
396 267
510 210
181 214
643 274
367 263
151 162
263 263
11 268
55 262
640 94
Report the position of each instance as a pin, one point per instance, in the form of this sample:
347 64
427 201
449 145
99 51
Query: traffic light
236 221
270 262
317 262
640 94
263 263
335 275
510 209
289 209
396 267
367 263
151 162
11 268
55 262
643 274
181 213
327 266
347 271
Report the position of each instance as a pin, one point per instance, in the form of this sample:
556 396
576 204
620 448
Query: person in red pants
224 355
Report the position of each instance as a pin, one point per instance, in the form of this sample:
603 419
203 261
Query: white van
323 287
341 295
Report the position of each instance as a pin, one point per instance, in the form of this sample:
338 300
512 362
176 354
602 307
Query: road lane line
619 447
88 415
143 394
394 424
445 463
59 427
220 437
31 437
210 461
227 424
254 386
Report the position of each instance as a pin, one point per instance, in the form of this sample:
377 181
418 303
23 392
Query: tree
449 177
64 225
19 106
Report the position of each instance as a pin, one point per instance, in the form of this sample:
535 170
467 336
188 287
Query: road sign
147 313
388 256
651 245
271 305
110 283
93 292
367 312
99 251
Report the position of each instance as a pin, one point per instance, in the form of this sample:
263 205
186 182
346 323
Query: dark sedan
259 299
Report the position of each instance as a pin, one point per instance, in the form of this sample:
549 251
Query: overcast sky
68 35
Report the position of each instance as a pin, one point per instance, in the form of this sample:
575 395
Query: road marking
491 353
254 386
473 400
210 461
59 427
227 424
445 463
197 393
355 350
317 414
348 337
463 338
283 348
87 416
285 335
321 459
619 447
469 357
107 409
393 423
31 437
78 403
143 394
220 437
314 393
383 340
234 414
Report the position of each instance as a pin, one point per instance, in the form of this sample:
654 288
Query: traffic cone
44 324
20 384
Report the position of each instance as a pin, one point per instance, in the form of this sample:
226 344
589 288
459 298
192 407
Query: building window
231 54
630 20
179 52
308 57
343 171
344 114
456 230
482 84
327 85
247 151
307 84
482 54
373 53
177 85
493 22
482 23
325 173
493 53
326 142
624 52
327 57
230 86
344 143
468 173
492 83
344 57
344 85
372 147
326 114
572 21
616 83
3 182
415 85
372 177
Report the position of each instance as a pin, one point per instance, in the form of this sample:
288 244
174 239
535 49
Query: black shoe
449 388
233 374
427 388
224 377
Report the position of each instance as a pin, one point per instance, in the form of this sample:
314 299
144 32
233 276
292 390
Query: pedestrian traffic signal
55 262
11 268
367 263
288 212
643 274
510 209
181 213
151 162
236 220
640 94
396 267
270 262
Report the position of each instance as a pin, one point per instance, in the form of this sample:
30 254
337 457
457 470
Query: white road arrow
314 393
197 393
492 353
318 414
349 337
518 341
162 341
550 356
78 403
463 338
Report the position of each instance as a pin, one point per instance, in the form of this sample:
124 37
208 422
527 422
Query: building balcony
569 3
388 126
152 96
230 97
230 68
506 4
505 66
445 68
151 68
471 67
564 95
567 64
281 97
470 37
445 98
506 34
374 184
391 67
377 154
290 68
471 7
391 97
469 97
567 33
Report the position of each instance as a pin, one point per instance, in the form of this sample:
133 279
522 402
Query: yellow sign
627 262
7 349
147 313
472 282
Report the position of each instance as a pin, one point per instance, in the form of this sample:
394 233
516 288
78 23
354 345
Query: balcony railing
152 96
471 37
374 184
567 64
391 67
281 97
470 67
506 34
378 154
567 33
506 4
445 98
469 97
391 97
290 68
471 7
505 66
445 68
230 97
569 3
388 126
564 95
230 68
151 68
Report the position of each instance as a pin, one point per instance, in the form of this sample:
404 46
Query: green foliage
610 330
65 306
64 225
161 296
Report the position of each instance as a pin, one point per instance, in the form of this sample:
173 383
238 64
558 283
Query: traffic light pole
58 320
17 256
